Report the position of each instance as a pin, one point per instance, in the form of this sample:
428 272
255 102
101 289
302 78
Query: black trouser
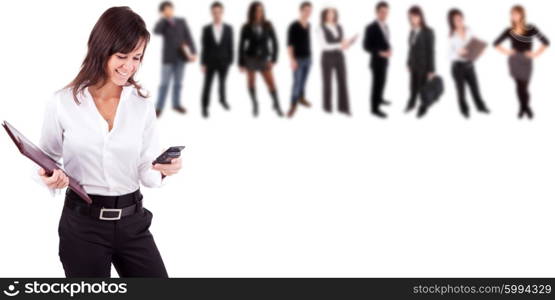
523 94
211 71
379 74
417 81
463 73
88 246
334 60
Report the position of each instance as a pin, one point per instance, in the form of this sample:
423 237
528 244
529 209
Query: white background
319 195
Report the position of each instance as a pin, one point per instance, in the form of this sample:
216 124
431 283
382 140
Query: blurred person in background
333 43
216 56
421 58
178 48
300 54
376 43
521 34
258 53
462 68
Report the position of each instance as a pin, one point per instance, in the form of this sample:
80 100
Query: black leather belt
74 203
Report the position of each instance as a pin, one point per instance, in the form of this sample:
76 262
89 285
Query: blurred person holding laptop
464 49
421 60
103 129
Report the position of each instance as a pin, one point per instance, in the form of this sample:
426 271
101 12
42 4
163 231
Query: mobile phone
168 155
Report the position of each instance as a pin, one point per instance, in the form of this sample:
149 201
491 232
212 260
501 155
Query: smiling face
122 66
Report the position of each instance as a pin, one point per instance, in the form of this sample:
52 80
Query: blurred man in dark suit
216 56
376 42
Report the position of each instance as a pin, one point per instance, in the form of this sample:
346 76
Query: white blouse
324 44
105 162
456 43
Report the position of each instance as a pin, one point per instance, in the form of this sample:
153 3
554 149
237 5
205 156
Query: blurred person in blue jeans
298 41
178 49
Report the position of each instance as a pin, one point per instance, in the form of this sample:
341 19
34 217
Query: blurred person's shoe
521 113
422 110
380 114
530 113
465 113
255 110
278 110
276 105
409 107
483 109
158 113
346 113
224 105
304 102
180 109
292 110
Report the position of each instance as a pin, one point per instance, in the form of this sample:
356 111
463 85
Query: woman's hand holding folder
58 179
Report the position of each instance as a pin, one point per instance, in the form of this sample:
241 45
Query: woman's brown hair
251 15
451 19
325 12
119 30
519 9
417 11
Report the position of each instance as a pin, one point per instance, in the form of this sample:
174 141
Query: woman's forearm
503 50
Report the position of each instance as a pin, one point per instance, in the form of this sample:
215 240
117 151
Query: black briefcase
431 92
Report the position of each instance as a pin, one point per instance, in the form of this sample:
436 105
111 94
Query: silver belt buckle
102 217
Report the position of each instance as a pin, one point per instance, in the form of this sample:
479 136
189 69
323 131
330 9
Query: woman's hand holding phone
169 169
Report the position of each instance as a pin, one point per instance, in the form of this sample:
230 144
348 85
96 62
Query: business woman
421 58
461 67
521 34
258 52
333 44
104 130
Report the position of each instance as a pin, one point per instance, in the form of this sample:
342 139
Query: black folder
35 154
